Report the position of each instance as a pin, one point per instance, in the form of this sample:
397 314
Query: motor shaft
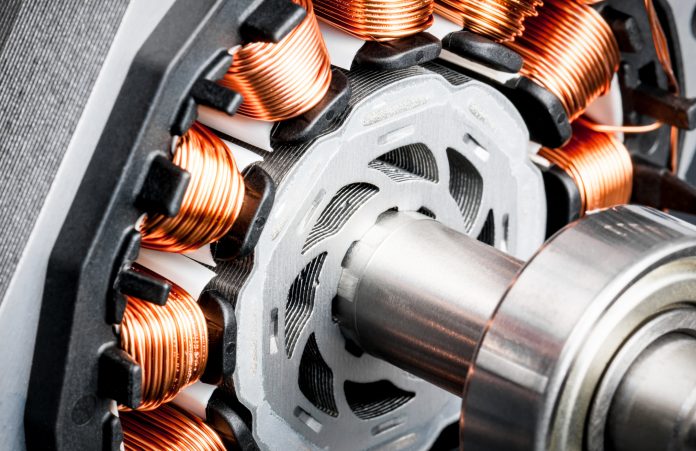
655 405
419 295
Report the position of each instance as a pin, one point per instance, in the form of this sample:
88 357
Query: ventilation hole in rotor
506 232
374 399
392 423
465 186
487 234
274 331
412 162
300 302
316 379
308 419
470 140
425 212
339 210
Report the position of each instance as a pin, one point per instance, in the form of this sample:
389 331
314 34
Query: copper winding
212 201
377 20
499 20
168 427
169 342
600 166
282 80
571 51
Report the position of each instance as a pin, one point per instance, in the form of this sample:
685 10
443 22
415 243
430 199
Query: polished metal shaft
655 405
618 334
419 295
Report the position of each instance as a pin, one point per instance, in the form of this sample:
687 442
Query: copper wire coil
169 342
377 20
570 50
499 20
285 79
168 427
600 166
212 201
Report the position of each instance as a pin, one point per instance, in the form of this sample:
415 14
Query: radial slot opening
487 234
411 162
342 206
425 212
465 186
374 399
316 379
300 302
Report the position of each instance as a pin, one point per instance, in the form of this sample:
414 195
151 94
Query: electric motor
312 224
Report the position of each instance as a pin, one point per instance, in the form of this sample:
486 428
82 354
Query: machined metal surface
609 409
413 141
589 342
586 292
655 405
419 295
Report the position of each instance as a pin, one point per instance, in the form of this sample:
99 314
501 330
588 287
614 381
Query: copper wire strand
600 166
662 51
377 20
285 79
499 20
570 50
168 428
212 201
629 129
169 342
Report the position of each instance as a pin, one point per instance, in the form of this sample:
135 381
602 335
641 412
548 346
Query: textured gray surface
49 62
22 297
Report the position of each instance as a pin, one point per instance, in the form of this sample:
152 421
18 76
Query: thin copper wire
169 342
282 80
600 166
212 201
571 51
630 129
377 20
168 427
499 20
662 50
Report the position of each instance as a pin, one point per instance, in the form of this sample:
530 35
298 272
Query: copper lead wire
499 20
170 343
571 51
212 201
600 166
168 427
662 50
630 129
377 20
285 79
